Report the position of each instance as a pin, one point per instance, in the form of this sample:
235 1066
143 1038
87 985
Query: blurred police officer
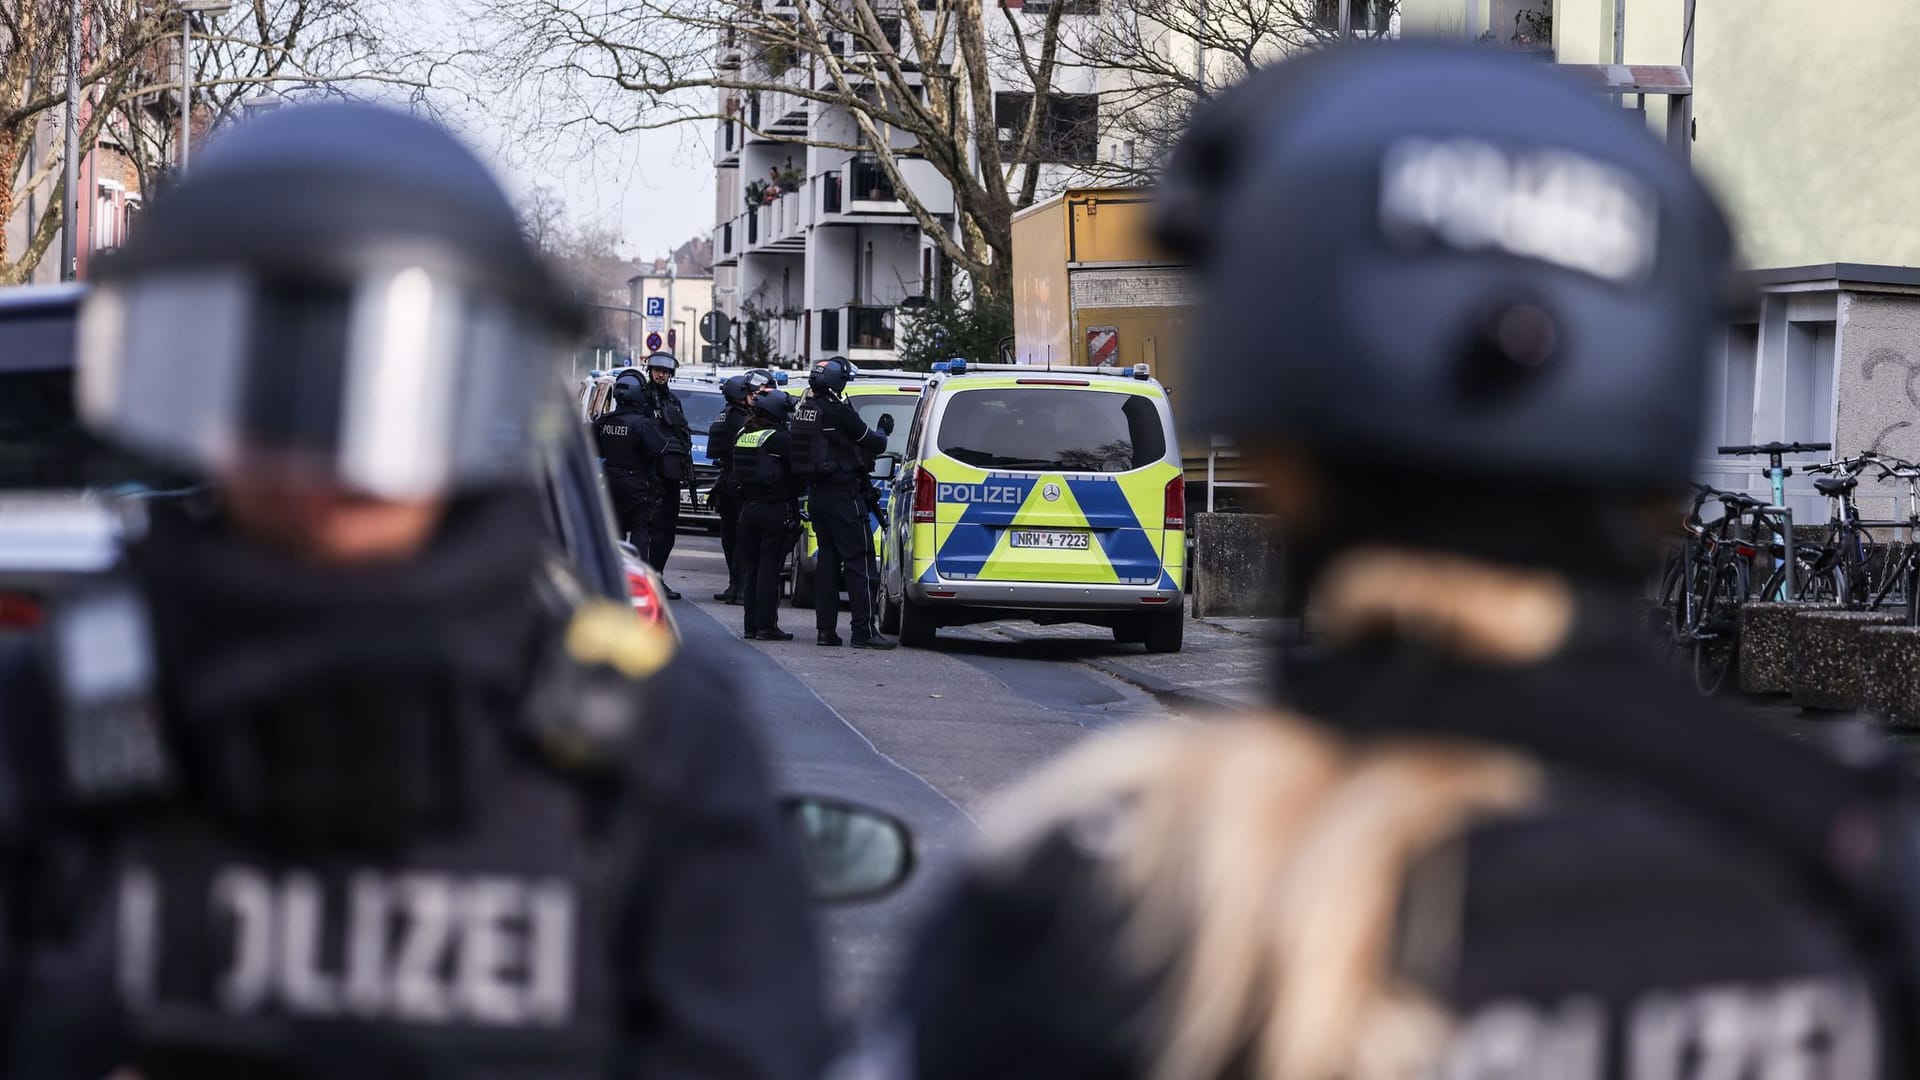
720 435
675 463
769 510
832 449
630 442
1488 837
381 794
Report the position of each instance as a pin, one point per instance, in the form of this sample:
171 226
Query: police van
1050 495
872 394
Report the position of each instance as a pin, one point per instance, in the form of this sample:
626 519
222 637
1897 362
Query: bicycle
1706 582
1904 571
1842 557
1777 473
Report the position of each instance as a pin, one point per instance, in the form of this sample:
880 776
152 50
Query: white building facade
828 266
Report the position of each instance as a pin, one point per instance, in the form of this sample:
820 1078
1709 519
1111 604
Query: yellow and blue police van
873 394
1054 495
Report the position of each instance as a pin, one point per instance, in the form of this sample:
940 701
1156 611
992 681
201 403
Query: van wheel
1164 631
916 625
889 614
802 578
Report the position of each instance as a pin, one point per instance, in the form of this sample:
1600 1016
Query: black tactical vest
758 474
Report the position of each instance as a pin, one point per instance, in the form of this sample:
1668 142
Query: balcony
727 242
860 192
859 333
774 117
780 226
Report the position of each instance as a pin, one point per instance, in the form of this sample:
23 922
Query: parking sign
656 307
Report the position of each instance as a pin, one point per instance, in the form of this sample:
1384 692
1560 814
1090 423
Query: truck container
1090 287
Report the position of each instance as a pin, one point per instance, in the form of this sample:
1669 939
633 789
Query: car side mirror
851 852
883 466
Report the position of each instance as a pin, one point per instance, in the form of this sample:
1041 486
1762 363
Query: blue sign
653 342
656 307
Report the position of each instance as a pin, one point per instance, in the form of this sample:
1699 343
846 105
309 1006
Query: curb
1177 695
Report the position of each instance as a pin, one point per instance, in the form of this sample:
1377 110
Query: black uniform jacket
573 868
1648 918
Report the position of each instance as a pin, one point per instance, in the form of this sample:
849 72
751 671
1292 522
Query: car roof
29 316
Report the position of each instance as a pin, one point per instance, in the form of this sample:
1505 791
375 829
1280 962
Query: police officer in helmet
675 463
769 499
630 441
1484 835
720 435
832 452
381 794
739 391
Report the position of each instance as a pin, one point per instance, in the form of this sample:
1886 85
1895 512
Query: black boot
875 642
827 637
730 596
775 634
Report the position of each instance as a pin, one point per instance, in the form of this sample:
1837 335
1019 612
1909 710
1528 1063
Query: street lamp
188 9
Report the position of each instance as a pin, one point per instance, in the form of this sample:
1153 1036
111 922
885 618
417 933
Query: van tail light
18 611
1176 511
646 602
923 493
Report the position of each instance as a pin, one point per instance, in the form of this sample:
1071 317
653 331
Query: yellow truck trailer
1090 287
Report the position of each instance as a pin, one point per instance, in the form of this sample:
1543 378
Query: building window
1067 7
1739 374
1326 15
1808 412
106 220
830 331
1068 132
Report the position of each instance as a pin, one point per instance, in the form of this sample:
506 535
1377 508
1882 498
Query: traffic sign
656 307
715 326
653 342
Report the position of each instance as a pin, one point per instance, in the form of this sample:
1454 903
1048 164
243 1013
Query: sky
655 186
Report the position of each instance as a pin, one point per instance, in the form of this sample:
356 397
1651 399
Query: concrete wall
1803 115
1878 386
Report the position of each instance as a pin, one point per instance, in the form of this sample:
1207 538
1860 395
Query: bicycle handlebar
1777 448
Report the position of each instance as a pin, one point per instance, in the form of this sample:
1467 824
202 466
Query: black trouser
763 547
633 498
839 513
721 502
665 527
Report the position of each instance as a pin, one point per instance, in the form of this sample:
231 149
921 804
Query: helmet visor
397 382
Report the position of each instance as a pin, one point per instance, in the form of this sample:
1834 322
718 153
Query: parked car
1050 495
68 502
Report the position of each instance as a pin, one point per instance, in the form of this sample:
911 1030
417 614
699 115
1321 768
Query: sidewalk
1222 665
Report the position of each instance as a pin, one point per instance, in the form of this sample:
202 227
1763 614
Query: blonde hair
1266 860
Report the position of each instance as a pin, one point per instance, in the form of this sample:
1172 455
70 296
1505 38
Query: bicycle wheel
1717 636
1910 574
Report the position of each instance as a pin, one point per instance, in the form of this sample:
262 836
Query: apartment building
816 252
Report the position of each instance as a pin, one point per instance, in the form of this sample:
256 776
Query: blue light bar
1139 371
955 366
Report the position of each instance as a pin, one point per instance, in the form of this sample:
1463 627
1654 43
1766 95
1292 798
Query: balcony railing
870 328
870 182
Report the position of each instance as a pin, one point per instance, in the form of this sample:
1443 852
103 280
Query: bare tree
1159 58
915 78
129 83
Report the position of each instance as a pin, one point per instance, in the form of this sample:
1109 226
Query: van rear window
1054 430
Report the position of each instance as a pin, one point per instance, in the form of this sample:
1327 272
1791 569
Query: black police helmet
1452 259
628 389
830 376
308 294
663 361
735 389
774 404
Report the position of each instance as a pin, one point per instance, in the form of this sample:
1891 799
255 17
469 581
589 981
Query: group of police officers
361 786
783 465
